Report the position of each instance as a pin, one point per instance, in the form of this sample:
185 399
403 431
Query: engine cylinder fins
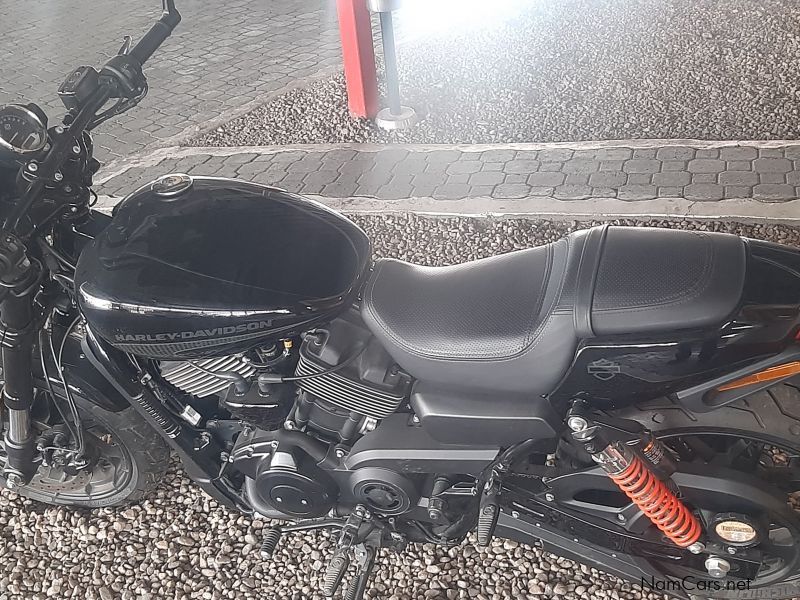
349 393
383 491
202 378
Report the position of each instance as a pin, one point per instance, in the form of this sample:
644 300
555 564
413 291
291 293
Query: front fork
20 278
16 317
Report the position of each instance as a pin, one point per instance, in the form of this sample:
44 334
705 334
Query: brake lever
127 42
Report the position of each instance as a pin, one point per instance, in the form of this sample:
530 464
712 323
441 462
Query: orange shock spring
655 499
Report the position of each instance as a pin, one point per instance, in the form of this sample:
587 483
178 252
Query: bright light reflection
423 17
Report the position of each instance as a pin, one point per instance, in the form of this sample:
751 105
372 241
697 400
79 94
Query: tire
144 452
772 415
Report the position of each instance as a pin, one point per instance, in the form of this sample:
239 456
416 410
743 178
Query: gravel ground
180 545
575 70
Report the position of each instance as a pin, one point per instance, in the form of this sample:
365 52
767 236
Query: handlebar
170 17
55 156
82 118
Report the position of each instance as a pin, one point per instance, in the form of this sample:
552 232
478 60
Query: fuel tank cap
169 186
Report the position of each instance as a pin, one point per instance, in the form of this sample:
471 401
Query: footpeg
487 522
271 540
348 538
334 574
489 511
273 535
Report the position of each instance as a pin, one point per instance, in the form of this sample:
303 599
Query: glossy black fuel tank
219 267
615 371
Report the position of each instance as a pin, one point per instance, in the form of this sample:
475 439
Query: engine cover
294 486
383 491
372 385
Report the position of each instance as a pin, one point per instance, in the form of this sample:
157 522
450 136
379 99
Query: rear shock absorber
634 477
638 480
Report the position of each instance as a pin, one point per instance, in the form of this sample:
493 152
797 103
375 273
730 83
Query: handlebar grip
159 32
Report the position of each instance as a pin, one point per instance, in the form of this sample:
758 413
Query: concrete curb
152 157
742 209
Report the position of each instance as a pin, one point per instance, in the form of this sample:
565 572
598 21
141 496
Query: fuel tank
194 267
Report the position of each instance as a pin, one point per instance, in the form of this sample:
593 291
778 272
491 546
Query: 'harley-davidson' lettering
190 335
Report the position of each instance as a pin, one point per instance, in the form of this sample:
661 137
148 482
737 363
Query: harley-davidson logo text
191 335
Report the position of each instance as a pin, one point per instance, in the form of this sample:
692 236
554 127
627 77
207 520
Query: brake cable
70 400
119 107
49 385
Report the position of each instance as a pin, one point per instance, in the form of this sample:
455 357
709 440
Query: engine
342 385
207 377
346 384
341 403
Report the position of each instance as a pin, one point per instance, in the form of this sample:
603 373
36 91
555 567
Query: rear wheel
759 435
125 458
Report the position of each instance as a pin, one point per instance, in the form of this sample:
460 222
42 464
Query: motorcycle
624 397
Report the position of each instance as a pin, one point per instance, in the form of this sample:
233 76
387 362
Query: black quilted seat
512 322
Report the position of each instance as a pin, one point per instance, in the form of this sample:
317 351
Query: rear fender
771 310
706 396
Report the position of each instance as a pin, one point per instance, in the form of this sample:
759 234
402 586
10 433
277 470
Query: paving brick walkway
704 172
222 56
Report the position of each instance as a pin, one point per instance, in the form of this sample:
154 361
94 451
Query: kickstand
365 561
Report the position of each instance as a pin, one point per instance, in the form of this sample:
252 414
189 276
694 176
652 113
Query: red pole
355 28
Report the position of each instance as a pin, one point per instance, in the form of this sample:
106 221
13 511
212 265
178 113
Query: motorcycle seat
513 322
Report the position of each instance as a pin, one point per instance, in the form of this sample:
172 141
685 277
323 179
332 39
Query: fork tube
16 316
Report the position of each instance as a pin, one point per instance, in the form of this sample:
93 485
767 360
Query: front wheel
758 435
125 459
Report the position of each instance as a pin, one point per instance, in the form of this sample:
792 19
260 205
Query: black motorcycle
624 397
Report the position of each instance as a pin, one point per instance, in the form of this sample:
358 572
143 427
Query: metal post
395 116
390 61
355 29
